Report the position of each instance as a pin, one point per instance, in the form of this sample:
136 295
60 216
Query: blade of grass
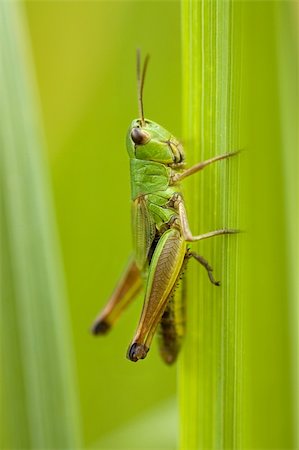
39 407
237 380
288 34
211 363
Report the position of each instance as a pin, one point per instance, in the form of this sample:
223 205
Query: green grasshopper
160 236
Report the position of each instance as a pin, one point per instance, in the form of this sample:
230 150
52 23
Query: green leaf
39 407
236 375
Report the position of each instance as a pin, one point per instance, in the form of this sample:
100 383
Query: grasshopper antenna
140 82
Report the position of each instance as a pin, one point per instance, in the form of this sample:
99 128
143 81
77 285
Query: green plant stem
210 366
237 374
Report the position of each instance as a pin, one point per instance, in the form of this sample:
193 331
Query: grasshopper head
148 141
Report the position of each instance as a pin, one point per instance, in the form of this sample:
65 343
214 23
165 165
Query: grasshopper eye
139 137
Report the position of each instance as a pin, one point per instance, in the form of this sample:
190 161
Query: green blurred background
84 55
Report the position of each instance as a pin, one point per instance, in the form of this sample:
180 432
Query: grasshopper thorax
148 141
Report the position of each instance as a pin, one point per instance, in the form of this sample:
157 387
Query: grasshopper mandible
160 235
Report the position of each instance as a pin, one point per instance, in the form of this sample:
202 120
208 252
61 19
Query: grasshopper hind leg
137 351
126 291
172 327
164 271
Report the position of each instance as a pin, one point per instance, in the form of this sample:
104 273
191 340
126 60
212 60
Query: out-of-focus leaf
38 391
155 429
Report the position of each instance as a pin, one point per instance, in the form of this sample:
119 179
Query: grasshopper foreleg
201 165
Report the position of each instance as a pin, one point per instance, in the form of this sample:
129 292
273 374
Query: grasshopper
160 236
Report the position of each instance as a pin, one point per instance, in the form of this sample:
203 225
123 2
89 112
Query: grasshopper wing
144 230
